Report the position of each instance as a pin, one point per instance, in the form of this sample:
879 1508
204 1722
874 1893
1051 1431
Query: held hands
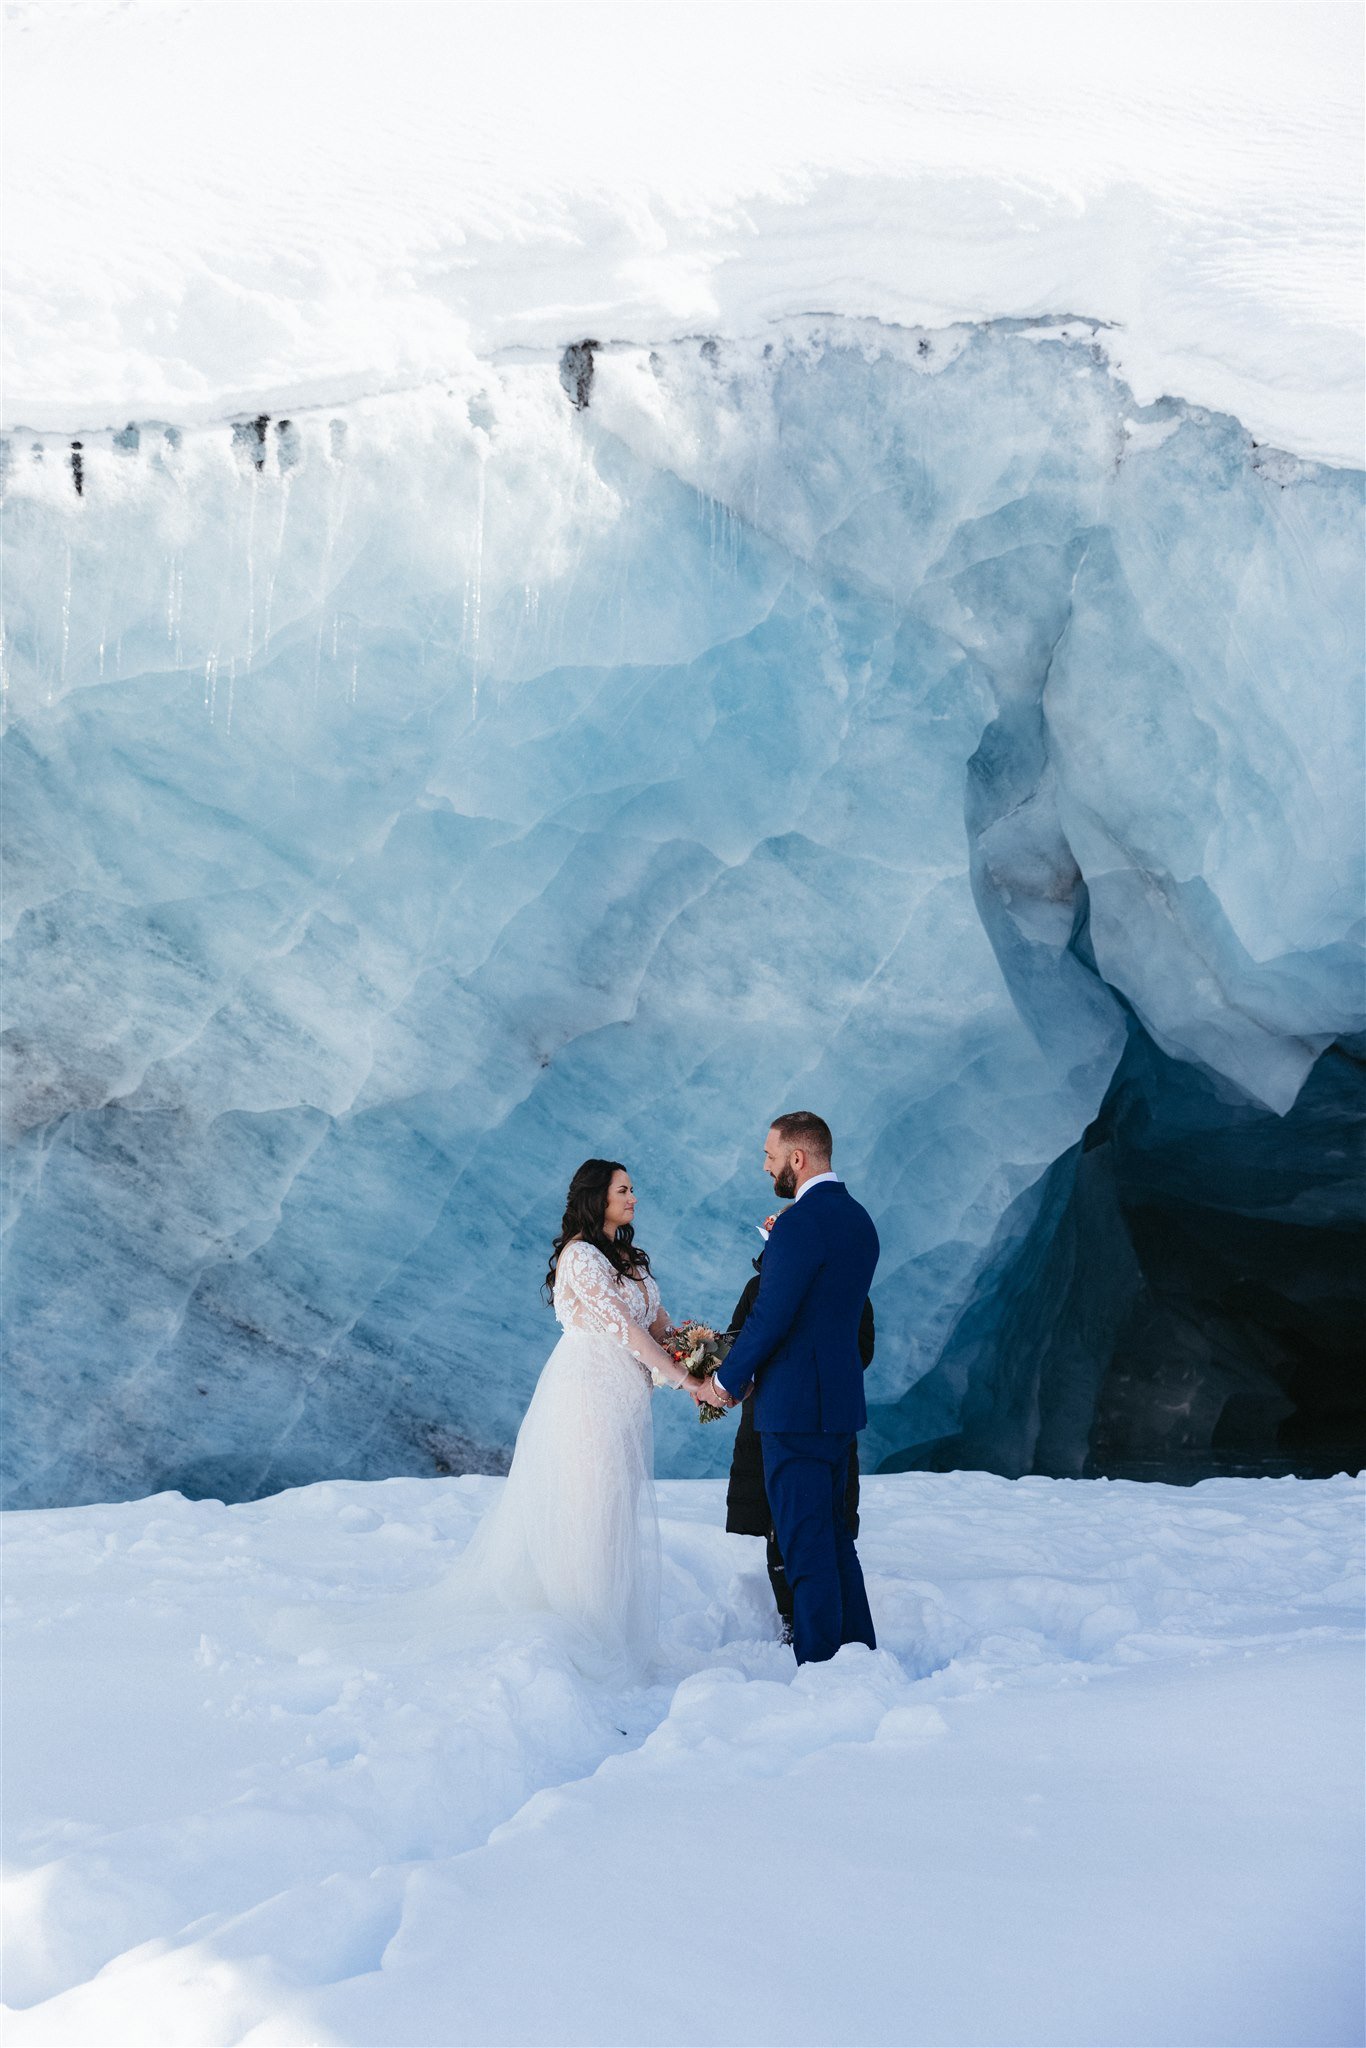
697 1348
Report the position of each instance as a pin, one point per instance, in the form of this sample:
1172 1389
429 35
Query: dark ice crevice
1182 1294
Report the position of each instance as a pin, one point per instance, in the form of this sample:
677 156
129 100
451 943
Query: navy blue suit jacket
799 1343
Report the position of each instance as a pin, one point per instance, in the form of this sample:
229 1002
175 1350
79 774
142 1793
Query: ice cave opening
1182 1294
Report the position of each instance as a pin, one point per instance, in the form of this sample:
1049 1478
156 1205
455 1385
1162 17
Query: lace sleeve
586 1297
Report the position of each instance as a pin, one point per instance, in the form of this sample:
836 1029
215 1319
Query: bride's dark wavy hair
585 1212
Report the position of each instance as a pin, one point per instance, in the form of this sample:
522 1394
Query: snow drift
1105 1768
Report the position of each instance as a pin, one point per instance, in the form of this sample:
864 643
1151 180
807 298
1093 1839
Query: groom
799 1347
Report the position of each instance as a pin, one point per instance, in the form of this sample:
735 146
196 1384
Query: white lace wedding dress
575 1533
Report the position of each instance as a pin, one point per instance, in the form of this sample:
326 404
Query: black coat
747 1511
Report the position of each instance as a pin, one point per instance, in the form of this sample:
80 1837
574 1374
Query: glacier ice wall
406 800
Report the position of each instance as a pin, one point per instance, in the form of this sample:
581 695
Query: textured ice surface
407 800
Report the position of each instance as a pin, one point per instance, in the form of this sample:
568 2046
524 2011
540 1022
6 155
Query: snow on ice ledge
409 798
197 233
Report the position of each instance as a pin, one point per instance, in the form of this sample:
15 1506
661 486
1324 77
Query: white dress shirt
814 1180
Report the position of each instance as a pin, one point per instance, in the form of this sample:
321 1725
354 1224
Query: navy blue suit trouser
805 1477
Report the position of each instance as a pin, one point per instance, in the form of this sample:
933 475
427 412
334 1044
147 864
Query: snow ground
216 208
1102 1784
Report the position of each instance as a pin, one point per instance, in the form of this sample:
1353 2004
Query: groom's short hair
803 1128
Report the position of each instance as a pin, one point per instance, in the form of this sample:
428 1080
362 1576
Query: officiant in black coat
747 1509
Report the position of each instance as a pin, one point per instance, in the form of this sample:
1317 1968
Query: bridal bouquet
698 1349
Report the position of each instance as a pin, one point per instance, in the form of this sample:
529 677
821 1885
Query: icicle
251 573
66 625
474 588
335 489
286 479
175 594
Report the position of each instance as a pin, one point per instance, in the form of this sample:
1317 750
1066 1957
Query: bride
574 1532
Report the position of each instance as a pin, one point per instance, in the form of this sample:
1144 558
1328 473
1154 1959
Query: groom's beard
785 1184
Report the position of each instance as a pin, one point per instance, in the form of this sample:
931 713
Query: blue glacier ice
407 799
